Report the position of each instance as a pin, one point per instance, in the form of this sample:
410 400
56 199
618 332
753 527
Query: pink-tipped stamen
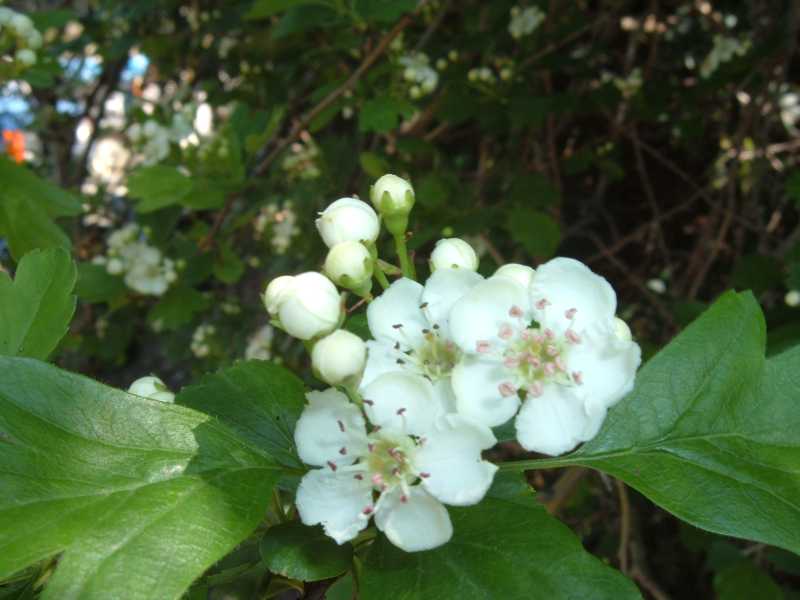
506 389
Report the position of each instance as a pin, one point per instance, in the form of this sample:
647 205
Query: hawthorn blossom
402 474
554 348
411 331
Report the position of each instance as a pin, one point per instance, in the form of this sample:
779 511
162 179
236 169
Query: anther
400 411
342 450
482 346
424 475
510 362
549 368
403 498
397 345
560 364
371 447
506 389
426 331
377 479
572 336
368 402
341 425
436 326
505 332
332 465
570 314
367 510
548 333
535 389
551 350
542 304
424 305
400 361
577 377
397 325
534 361
358 476
515 311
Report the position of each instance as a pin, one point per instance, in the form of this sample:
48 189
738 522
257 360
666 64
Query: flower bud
522 274
349 264
453 253
792 298
339 358
393 196
310 308
348 220
151 387
277 289
22 24
26 57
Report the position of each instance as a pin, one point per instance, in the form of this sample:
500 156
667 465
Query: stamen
400 361
542 304
535 389
358 476
570 314
549 368
332 465
510 362
572 337
515 311
506 332
397 325
368 402
377 479
371 447
397 345
506 389
533 361
482 346
341 425
436 326
548 333
367 510
551 350
342 450
423 306
559 362
577 377
403 498
400 411
424 475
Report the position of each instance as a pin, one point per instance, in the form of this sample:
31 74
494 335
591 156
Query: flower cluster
18 33
144 268
201 345
725 49
418 72
152 139
401 433
524 21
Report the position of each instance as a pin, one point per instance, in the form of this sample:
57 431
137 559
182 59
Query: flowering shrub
409 298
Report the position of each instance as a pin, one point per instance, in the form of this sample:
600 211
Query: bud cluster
19 39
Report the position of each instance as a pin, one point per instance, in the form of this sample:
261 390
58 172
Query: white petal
480 313
445 397
403 402
476 383
398 305
565 284
607 366
336 500
556 421
522 274
451 460
382 358
420 523
329 423
443 288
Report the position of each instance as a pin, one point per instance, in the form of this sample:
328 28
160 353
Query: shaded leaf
296 551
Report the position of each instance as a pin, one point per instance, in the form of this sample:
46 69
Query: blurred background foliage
182 149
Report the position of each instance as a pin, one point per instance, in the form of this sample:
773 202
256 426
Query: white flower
792 298
349 264
392 194
411 331
22 24
401 474
276 291
26 57
339 357
524 22
348 220
417 70
259 346
573 363
453 253
307 306
152 387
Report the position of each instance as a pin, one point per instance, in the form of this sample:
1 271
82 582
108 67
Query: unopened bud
349 264
151 387
310 308
453 253
348 220
522 274
393 196
792 298
26 57
339 357
276 291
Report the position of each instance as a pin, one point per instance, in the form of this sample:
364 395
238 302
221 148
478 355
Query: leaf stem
380 276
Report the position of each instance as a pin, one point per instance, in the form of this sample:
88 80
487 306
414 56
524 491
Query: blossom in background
259 346
402 474
152 141
280 222
14 141
143 267
524 21
411 330
554 346
419 73
152 387
200 345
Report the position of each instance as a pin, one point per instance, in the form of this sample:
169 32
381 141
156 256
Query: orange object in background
15 144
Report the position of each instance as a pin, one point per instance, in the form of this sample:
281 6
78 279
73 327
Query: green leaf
507 547
260 400
140 496
373 164
177 307
710 430
744 581
96 285
304 553
383 114
533 190
205 194
383 11
36 308
157 187
261 9
228 267
28 205
536 231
